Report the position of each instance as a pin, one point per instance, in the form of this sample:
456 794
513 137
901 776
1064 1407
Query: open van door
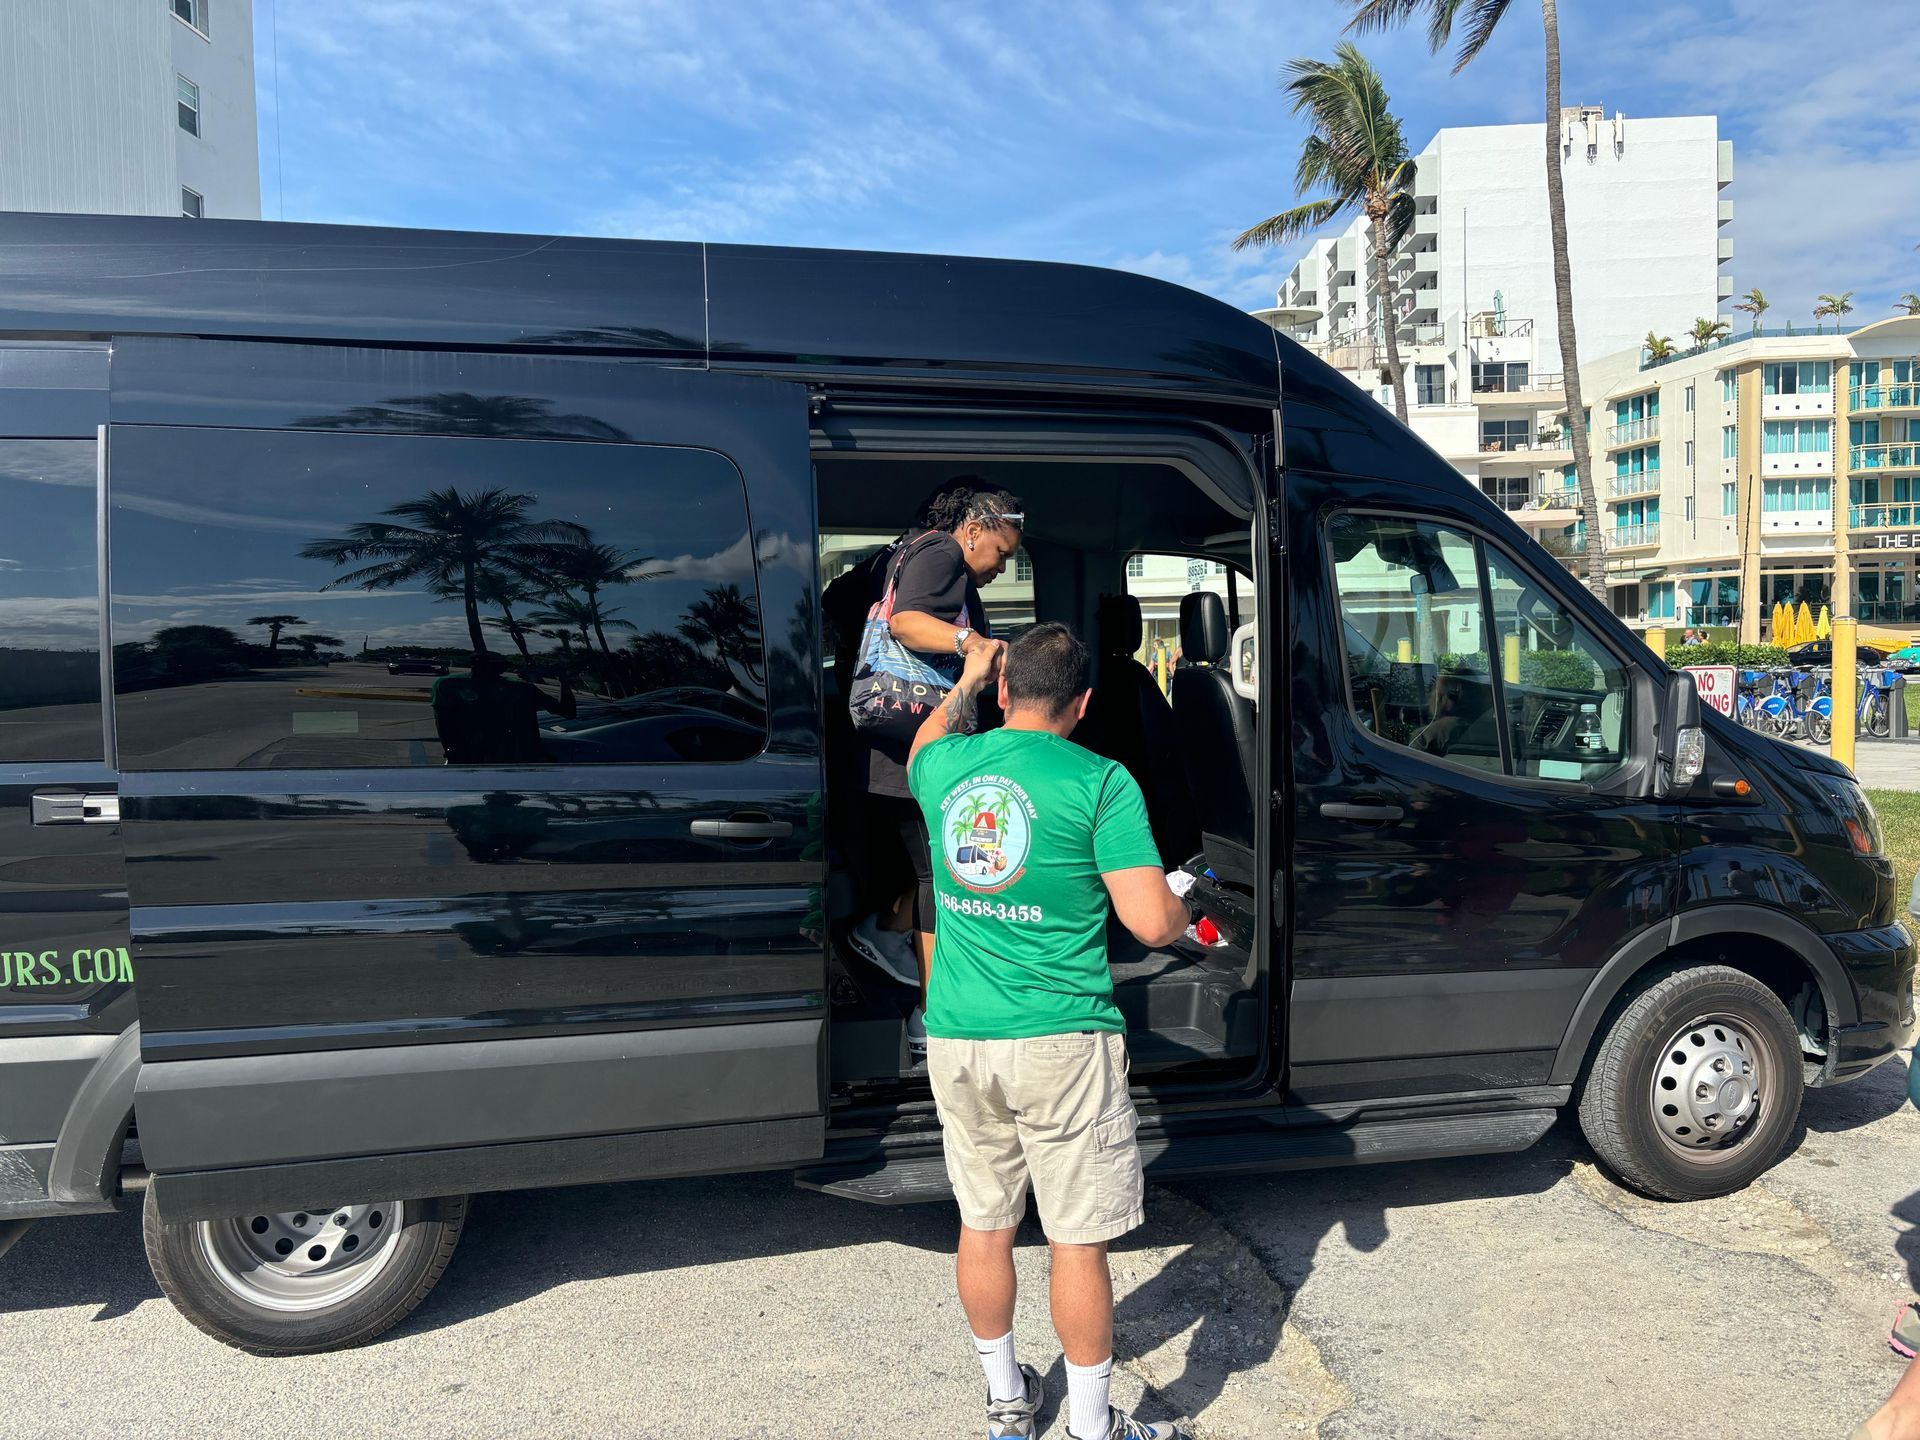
66 995
467 707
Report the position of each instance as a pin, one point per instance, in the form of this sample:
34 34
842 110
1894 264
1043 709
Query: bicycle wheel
1879 716
1819 727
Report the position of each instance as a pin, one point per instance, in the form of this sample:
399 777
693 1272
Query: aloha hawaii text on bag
893 688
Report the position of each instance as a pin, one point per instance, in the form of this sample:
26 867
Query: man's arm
954 715
1146 904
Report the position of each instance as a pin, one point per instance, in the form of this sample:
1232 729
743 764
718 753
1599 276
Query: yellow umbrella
1803 625
1823 627
1777 628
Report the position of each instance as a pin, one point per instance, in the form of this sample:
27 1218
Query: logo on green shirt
986 831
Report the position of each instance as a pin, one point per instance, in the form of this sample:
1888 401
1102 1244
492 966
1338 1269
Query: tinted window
1415 634
49 602
287 599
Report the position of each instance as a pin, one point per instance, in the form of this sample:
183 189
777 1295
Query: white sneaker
891 950
917 1032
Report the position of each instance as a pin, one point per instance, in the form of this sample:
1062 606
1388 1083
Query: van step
909 1176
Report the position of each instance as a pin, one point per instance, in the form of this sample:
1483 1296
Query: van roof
939 319
825 309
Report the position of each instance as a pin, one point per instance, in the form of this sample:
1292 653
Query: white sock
1087 1405
1004 1380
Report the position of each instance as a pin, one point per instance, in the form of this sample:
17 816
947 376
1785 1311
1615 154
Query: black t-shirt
934 581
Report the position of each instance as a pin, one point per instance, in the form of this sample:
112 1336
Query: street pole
1846 706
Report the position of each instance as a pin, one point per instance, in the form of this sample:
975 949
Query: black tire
1879 721
182 1261
1819 728
1665 1027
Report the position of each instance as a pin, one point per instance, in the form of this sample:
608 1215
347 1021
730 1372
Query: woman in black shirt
937 614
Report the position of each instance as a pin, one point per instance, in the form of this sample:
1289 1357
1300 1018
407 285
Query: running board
920 1174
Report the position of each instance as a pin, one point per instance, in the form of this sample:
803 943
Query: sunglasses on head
1012 517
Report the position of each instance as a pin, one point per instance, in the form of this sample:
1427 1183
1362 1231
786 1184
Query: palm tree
1755 304
586 566
1479 18
447 540
572 613
1909 303
503 591
1658 347
727 623
275 624
1705 331
1834 305
1357 153
310 643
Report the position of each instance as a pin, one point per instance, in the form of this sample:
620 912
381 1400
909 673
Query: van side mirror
1683 742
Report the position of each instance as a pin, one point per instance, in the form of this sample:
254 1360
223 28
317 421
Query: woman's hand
983 662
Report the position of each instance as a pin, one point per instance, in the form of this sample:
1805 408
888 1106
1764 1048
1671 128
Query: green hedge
1547 669
1721 652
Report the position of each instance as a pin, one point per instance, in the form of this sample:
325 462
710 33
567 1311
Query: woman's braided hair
964 498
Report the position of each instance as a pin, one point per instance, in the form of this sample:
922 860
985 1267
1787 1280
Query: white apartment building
1473 285
129 107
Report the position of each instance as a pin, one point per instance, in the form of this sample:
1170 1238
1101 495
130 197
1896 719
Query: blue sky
1134 135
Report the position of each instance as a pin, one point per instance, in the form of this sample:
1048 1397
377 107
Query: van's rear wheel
302 1281
1695 1087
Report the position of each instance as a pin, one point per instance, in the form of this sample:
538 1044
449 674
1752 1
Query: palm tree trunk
1390 321
1594 569
471 599
513 629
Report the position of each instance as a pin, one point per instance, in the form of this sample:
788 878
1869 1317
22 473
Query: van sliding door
467 712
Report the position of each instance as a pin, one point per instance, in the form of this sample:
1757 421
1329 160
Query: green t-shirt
1023 824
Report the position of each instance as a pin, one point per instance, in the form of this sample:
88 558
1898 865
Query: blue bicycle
1800 705
1876 703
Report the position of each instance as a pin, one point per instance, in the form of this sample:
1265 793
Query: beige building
1769 467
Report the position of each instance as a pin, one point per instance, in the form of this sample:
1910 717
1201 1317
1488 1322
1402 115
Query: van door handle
757 827
1373 812
67 807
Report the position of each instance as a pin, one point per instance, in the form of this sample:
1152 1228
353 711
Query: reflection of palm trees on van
275 624
448 540
569 613
587 566
460 412
727 623
502 591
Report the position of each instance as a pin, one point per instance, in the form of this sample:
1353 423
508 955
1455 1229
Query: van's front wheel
299 1282
1695 1088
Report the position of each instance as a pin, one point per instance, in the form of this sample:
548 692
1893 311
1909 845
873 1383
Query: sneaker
917 1032
891 950
1122 1426
1009 1418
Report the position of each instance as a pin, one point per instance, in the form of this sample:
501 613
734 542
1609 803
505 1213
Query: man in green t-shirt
1032 838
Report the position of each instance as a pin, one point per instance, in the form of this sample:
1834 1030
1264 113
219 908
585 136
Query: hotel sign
1900 540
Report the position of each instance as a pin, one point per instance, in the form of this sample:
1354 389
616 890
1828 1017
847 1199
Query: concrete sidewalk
1883 764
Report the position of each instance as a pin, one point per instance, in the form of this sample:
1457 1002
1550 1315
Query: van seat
1130 722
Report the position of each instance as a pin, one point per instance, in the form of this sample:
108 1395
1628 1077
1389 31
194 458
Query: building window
1797 377
1505 434
1136 567
1729 442
1729 386
1022 565
187 104
1686 398
614 619
191 204
1796 437
1687 459
1686 509
1430 384
1660 601
1796 495
1729 499
194 12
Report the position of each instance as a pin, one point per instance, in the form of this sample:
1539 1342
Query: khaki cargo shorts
1053 1109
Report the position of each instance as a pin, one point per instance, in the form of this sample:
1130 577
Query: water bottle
1587 735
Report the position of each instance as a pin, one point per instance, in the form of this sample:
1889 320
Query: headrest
1203 627
1117 625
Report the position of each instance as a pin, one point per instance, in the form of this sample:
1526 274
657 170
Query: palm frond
1289 224
1482 17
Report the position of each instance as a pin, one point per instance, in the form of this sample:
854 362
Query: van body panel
319 899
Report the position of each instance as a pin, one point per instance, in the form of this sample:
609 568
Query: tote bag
893 688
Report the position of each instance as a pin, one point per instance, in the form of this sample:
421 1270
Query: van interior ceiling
1192 1007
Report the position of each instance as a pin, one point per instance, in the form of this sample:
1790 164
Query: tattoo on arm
961 711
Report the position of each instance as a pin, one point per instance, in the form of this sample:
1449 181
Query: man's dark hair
1046 667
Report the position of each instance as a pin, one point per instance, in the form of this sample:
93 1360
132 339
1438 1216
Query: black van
420 759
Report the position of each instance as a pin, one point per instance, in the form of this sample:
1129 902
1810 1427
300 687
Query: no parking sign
1715 683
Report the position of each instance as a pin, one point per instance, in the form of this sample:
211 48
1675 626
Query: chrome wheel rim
296 1260
1710 1086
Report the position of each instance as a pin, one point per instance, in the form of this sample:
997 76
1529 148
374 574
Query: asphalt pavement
1517 1296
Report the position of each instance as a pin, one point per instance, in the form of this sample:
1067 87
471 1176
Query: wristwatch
960 638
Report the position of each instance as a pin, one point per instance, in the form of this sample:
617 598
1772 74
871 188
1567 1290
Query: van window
49 601
296 599
1416 646
1159 582
1418 640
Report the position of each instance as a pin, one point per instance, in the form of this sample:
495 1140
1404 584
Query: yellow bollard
1510 659
1403 652
1846 703
1656 638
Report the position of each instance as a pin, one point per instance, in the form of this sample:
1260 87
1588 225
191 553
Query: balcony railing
1486 325
1881 517
1715 615
1627 537
1633 484
1634 431
1901 455
1883 397
1422 334
1532 385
